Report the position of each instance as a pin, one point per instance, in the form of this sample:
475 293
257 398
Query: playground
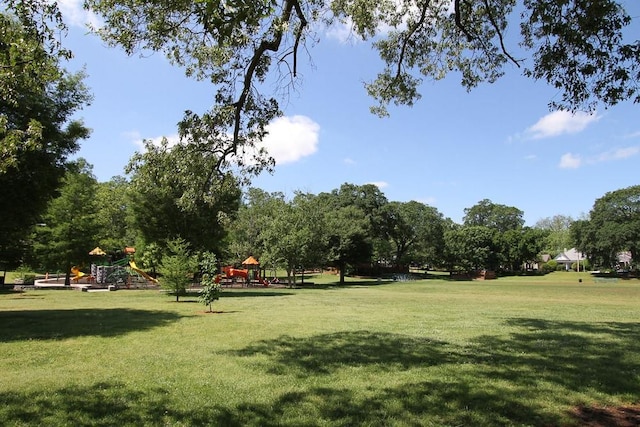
103 274
124 273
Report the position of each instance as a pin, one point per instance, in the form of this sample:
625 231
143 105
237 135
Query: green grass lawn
514 351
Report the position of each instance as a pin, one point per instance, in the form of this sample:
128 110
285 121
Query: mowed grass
514 351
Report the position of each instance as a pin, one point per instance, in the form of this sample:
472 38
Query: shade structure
250 261
97 251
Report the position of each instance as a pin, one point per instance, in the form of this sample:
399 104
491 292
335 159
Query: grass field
514 351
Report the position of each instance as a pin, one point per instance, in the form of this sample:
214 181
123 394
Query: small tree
176 267
210 287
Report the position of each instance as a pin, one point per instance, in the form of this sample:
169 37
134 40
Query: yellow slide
135 268
77 274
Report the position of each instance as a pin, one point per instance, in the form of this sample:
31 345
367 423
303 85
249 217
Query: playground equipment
248 275
77 274
232 273
144 274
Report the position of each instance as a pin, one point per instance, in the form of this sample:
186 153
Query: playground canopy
250 261
97 251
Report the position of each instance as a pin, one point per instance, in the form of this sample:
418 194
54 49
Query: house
570 257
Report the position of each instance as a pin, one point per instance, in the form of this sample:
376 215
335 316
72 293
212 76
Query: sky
452 149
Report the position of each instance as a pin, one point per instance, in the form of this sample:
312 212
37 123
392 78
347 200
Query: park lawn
513 351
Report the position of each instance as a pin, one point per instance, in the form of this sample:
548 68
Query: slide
231 272
77 274
135 268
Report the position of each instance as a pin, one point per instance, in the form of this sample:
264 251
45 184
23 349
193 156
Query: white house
569 257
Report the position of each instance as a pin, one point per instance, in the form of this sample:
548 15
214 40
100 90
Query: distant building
569 257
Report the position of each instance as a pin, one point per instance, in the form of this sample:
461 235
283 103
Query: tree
498 217
559 236
470 248
518 246
415 231
69 228
175 193
247 236
579 47
370 200
210 286
177 267
114 215
347 237
614 226
39 99
295 235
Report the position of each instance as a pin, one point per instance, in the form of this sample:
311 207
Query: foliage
471 248
613 226
519 246
37 133
550 266
348 240
177 268
294 237
247 231
493 215
210 291
69 227
151 257
416 232
559 236
242 45
175 193
114 215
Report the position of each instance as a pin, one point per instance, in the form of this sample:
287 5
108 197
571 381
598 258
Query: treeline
169 195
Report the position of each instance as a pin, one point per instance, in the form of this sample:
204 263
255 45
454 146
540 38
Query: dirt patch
595 416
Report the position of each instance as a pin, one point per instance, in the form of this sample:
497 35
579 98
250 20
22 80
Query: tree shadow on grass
420 403
20 325
322 354
493 380
574 355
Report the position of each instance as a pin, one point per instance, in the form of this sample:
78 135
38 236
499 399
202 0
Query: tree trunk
67 276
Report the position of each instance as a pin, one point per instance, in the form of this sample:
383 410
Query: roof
97 251
571 255
250 261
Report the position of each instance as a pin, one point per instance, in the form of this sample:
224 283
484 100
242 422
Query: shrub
177 268
550 266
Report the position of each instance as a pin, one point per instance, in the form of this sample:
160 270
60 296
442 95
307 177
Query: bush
550 266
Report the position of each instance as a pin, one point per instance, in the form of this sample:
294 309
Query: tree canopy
613 226
499 217
176 194
578 47
37 132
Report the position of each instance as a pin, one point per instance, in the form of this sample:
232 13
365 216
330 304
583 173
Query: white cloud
559 123
342 32
349 161
75 15
570 161
379 184
291 138
633 135
617 154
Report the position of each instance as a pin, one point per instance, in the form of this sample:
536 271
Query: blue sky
451 150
